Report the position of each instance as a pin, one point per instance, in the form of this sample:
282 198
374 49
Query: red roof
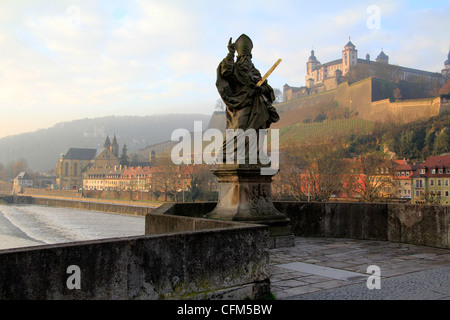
438 162
434 162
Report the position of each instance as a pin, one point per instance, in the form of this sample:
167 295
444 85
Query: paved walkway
337 269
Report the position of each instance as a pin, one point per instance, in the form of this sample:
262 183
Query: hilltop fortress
372 97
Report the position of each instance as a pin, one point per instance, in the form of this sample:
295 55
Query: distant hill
42 149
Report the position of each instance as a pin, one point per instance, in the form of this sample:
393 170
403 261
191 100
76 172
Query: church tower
107 144
349 57
115 146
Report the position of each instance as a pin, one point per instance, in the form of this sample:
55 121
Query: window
433 171
446 193
447 171
446 183
439 182
431 182
441 171
422 171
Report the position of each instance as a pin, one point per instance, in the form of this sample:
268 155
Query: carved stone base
245 195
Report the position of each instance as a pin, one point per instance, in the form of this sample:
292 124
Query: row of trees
318 171
180 183
12 169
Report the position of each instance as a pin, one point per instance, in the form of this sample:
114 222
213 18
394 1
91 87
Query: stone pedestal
245 195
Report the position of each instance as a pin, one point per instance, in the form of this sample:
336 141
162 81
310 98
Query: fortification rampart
404 111
370 99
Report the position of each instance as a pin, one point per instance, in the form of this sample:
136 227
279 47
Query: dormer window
433 171
422 171
441 171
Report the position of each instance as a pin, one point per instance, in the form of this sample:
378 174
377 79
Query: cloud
67 58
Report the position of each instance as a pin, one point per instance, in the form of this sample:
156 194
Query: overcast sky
66 60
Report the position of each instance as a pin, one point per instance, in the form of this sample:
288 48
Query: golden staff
268 73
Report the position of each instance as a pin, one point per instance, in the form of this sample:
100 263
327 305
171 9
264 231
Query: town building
403 172
430 181
23 180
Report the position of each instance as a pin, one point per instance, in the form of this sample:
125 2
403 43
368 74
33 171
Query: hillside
42 149
302 133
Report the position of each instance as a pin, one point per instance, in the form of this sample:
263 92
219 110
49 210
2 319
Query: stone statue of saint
248 106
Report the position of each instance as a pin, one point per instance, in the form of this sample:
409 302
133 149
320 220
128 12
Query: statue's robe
248 107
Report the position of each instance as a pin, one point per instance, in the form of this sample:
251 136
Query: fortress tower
382 58
446 70
311 64
349 57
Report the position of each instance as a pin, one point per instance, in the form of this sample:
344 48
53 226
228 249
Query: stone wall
405 111
94 206
371 100
414 224
52 192
225 263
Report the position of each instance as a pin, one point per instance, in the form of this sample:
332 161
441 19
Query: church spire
115 146
107 143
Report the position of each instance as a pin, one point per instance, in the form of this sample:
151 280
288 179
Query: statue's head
244 45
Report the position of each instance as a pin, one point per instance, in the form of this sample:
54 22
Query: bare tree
165 178
220 105
377 183
314 172
278 95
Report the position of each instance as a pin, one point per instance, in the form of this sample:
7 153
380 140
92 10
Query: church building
72 166
109 157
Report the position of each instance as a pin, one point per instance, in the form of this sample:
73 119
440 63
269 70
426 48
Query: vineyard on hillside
302 133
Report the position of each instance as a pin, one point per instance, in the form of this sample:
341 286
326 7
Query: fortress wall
404 111
217 121
356 96
325 97
294 111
